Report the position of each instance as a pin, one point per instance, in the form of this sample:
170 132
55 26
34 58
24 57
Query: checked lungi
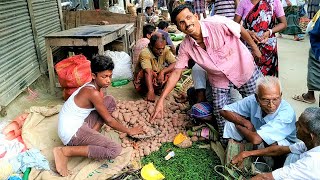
221 97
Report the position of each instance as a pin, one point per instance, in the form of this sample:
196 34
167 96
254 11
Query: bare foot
151 97
61 161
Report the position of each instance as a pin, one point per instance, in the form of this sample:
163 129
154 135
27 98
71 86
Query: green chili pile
188 164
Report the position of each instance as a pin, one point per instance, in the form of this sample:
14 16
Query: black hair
154 38
177 10
148 7
163 24
148 29
101 63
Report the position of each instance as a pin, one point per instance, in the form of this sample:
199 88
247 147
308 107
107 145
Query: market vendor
262 118
155 64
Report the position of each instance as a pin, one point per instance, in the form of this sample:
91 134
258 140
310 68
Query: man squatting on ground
263 117
303 162
82 117
156 62
214 44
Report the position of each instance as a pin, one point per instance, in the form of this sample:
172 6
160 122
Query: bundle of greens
192 163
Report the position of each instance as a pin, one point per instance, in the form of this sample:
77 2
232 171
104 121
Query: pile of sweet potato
137 113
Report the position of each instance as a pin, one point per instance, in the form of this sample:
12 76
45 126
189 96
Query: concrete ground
293 58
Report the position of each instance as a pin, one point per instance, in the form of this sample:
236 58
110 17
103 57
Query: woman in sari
259 18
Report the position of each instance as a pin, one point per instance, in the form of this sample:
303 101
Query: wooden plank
73 41
78 20
60 14
90 31
50 66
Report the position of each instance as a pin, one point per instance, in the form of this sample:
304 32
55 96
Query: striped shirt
225 8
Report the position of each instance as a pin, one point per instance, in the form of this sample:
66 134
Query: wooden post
50 66
60 14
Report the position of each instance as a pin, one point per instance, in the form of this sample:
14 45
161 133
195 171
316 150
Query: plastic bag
73 71
122 65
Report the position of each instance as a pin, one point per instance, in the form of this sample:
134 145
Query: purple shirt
245 7
225 59
166 35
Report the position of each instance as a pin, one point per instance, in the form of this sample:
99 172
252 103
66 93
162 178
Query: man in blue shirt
262 117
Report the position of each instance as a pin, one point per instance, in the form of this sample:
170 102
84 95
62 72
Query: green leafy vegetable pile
188 164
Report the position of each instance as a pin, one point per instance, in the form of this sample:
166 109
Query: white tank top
71 117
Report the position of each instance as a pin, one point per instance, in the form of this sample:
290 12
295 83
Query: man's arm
172 81
236 2
246 36
274 150
236 119
168 69
251 136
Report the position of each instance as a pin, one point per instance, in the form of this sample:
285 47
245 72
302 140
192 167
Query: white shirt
307 167
71 117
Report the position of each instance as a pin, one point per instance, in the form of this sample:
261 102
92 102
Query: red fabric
74 71
13 129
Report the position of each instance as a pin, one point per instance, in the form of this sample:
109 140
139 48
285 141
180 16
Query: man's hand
158 109
160 78
135 130
263 176
238 159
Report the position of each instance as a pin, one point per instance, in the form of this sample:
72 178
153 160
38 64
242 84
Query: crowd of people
235 50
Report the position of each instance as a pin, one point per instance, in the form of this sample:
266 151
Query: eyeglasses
274 101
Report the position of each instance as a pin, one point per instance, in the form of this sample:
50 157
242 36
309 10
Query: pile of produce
194 163
137 113
176 37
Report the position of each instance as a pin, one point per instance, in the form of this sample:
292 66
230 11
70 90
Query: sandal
302 99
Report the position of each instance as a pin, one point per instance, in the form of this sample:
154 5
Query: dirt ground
293 58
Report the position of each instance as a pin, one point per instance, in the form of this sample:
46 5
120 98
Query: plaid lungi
221 97
199 6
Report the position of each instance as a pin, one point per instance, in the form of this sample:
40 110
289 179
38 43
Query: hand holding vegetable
135 130
238 159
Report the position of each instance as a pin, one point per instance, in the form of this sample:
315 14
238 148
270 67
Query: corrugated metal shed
47 20
19 63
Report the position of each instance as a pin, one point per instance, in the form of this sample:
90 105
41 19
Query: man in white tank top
83 115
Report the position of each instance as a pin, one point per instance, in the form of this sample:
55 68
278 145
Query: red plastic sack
74 71
67 92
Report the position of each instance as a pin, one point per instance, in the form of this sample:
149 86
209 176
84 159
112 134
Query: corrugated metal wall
47 20
19 66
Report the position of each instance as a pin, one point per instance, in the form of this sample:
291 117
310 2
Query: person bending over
306 152
82 117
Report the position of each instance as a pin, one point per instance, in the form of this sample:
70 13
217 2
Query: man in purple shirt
163 29
214 44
